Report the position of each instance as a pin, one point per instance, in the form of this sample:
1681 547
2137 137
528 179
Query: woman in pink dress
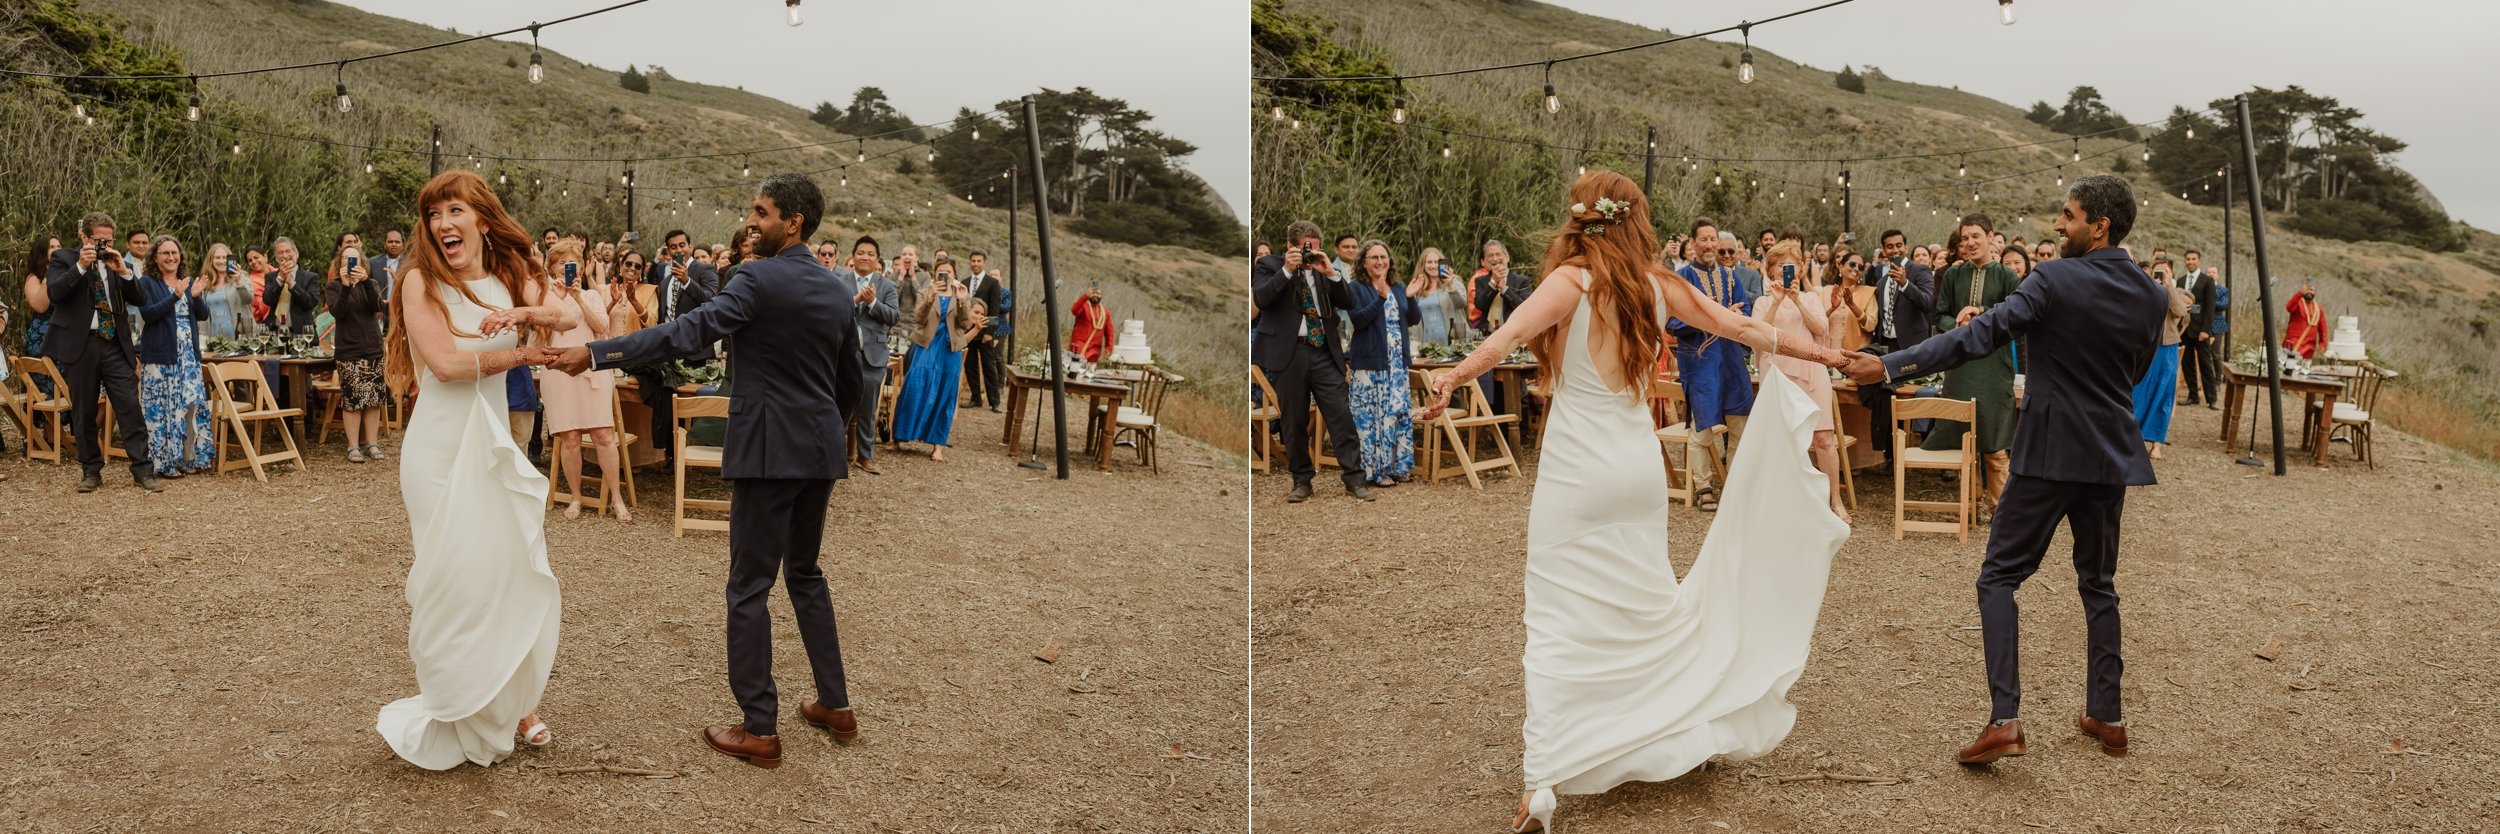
1789 304
585 403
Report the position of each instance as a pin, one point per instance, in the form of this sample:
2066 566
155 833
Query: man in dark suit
874 300
2093 320
1298 294
2203 355
677 261
983 365
300 286
795 358
90 286
1904 311
1498 283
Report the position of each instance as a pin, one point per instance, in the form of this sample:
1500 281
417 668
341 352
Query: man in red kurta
2305 328
1091 336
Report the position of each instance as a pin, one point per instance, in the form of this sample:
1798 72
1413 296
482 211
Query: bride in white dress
1631 676
483 606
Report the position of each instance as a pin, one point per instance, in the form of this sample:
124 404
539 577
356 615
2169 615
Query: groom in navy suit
2094 321
795 358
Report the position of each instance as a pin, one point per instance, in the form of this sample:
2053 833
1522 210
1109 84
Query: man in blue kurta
1716 387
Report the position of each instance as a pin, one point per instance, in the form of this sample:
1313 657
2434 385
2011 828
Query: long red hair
1621 256
505 250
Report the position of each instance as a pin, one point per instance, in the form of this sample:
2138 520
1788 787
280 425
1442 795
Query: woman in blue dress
1377 389
924 411
172 393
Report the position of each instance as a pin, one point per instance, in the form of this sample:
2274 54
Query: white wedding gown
484 608
1631 676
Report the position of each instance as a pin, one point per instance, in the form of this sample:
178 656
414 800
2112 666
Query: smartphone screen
572 271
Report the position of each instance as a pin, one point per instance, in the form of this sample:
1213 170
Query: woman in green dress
1964 290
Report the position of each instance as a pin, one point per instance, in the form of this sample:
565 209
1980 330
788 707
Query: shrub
634 80
1850 80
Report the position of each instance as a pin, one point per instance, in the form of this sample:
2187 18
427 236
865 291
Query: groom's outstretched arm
690 334
1984 334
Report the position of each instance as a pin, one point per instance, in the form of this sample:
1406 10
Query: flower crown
1608 208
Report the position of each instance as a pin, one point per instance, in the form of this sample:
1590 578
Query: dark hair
1978 219
673 234
94 219
1699 222
255 250
35 255
141 233
1299 229
2028 264
976 253
551 230
2191 252
2104 196
872 242
795 194
1349 236
1766 230
1890 234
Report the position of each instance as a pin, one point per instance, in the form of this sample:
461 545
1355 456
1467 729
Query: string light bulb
1445 149
2005 11
846 180
2078 151
79 110
499 179
2148 153
2061 177
1744 61
1553 103
1397 113
794 12
194 113
345 104
976 131
538 66
745 169
2191 131
1714 179
1276 113
863 151
368 167
238 147
1965 168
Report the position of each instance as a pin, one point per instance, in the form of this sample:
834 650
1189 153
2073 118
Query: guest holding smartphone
584 403
355 303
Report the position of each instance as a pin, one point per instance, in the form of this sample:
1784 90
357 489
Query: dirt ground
1386 680
211 658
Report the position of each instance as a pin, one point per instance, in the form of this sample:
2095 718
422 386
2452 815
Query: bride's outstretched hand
1440 399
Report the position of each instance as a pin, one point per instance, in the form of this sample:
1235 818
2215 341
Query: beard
2073 247
766 241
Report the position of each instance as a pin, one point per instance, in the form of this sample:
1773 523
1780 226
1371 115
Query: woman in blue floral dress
1377 391
172 392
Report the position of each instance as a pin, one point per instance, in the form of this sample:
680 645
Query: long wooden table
2326 387
1102 396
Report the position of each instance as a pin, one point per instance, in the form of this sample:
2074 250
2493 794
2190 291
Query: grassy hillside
479 94
2429 315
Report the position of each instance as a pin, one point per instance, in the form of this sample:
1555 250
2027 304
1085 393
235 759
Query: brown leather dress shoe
734 741
842 723
2113 736
1996 742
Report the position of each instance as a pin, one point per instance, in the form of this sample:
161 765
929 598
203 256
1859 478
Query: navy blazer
1370 347
156 302
1280 316
73 303
698 273
793 361
2093 324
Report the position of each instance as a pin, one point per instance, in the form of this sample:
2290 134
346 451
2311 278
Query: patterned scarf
106 316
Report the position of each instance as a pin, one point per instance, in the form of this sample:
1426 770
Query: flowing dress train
483 606
1629 674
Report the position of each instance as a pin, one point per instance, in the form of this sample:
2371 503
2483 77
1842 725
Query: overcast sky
2423 72
1184 62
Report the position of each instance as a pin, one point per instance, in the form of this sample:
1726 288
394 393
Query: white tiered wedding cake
1131 347
2345 342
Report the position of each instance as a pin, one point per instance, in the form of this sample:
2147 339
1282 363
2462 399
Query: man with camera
1904 316
1298 293
90 286
678 266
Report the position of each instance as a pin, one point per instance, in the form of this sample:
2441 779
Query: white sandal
536 734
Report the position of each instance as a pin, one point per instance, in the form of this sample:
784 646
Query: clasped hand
1440 400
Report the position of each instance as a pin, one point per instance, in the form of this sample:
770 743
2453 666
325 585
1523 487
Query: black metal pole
2265 277
1848 227
434 160
1050 283
1649 162
1012 196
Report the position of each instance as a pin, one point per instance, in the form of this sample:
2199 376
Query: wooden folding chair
2352 416
1666 407
107 431
1906 457
1848 478
590 457
1263 417
1138 422
46 416
239 420
1458 436
688 409
327 390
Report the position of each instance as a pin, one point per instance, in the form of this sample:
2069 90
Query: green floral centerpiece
708 373
258 344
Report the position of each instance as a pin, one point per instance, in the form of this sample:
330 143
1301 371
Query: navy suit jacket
73 303
1913 306
2093 324
876 320
793 361
698 273
157 345
1280 315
